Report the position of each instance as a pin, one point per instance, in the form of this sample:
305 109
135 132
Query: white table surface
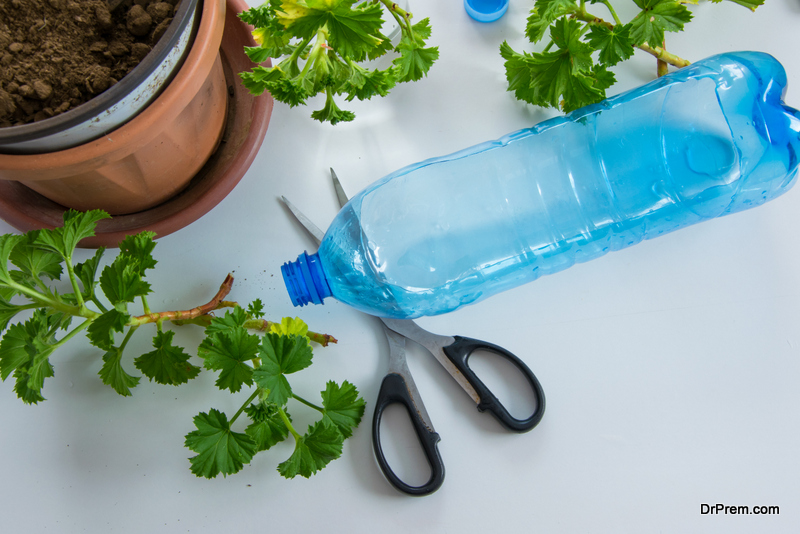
671 368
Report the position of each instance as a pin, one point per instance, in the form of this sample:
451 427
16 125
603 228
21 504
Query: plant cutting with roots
32 263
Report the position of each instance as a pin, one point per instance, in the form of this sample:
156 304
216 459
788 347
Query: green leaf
281 355
544 13
34 262
168 364
114 375
353 32
332 113
226 348
603 78
7 312
278 386
415 59
6 292
656 17
564 72
364 83
259 54
579 90
25 350
7 244
313 451
289 327
563 78
260 16
39 367
87 273
256 309
13 353
518 73
267 427
218 448
615 44
122 282
749 4
566 34
232 320
272 44
343 406
77 226
279 84
101 331
24 392
139 248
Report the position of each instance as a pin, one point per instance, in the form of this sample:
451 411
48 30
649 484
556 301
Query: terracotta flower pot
155 155
244 131
119 103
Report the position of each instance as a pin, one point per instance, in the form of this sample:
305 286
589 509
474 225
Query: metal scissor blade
310 227
399 365
337 185
434 343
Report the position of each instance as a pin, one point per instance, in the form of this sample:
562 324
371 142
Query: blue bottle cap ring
486 10
305 280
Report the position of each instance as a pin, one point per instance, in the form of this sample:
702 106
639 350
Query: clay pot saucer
247 121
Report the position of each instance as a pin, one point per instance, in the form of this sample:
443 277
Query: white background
671 368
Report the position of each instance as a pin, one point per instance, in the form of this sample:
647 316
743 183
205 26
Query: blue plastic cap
486 10
305 280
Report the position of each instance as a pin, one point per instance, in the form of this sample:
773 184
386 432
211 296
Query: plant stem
299 50
145 306
74 281
307 403
213 304
73 332
45 300
611 10
402 16
662 68
656 51
665 56
288 424
200 315
98 304
264 325
245 405
317 51
41 285
128 335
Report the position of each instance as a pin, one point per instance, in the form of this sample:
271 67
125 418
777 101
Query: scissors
398 386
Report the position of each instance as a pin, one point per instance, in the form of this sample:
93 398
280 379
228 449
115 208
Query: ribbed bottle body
705 141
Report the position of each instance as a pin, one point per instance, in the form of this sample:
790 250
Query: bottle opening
305 280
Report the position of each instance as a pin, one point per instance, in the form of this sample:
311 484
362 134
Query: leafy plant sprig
32 263
323 45
565 74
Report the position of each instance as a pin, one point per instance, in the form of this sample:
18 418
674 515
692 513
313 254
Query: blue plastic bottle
707 140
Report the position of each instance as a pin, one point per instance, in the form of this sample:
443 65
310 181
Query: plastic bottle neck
305 280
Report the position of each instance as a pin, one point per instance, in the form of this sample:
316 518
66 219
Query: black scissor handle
459 353
393 390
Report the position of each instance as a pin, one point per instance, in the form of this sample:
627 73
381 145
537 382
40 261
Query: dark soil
58 54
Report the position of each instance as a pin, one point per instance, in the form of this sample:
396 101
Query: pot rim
113 95
138 131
